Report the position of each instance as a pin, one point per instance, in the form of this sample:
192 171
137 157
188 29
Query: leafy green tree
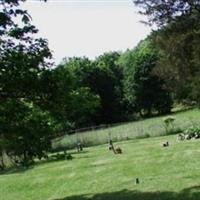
106 81
27 131
22 57
144 91
177 41
71 102
174 66
57 85
24 128
179 55
84 105
81 68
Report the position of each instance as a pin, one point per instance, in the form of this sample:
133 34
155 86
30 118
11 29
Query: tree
144 91
81 68
71 102
177 40
57 85
163 12
103 77
24 127
106 81
179 55
26 131
22 57
84 105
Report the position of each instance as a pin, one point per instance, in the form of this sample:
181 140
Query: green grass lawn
171 173
138 129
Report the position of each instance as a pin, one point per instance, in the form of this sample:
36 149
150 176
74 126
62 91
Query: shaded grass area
97 174
192 193
139 129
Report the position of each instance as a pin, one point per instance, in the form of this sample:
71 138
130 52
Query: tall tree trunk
2 163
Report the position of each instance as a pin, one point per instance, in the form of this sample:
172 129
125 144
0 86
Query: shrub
192 132
169 124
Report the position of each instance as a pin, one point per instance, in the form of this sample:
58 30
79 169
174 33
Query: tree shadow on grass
52 158
15 170
192 193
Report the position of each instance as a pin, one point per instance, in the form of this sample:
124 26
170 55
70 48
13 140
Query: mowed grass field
139 129
170 173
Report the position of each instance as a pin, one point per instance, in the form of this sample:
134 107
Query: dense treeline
38 102
114 87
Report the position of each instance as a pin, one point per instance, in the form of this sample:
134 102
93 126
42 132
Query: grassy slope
165 173
139 129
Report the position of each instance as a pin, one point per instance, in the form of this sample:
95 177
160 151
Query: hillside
139 129
97 174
